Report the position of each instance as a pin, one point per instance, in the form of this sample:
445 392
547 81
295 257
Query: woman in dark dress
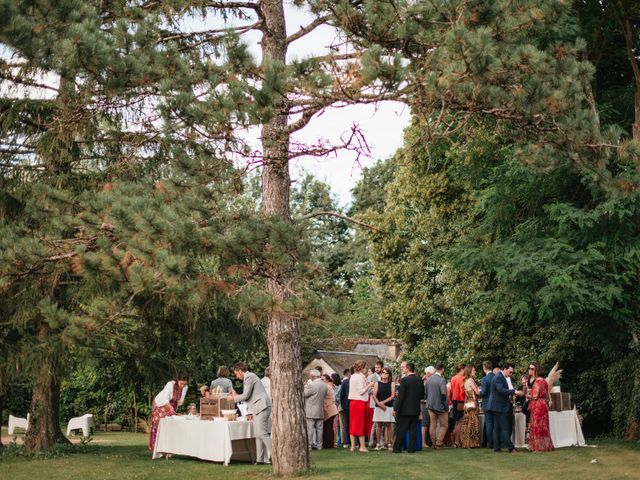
384 393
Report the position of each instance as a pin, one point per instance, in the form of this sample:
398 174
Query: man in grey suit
259 404
437 407
314 393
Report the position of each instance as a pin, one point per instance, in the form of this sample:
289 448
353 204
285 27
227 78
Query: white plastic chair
17 422
83 423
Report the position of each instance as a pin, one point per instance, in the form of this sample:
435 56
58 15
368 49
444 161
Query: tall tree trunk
636 125
633 427
633 424
629 40
1 410
290 453
44 425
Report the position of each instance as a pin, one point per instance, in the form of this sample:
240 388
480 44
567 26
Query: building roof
347 344
340 361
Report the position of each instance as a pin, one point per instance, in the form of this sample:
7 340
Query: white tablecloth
519 429
205 439
565 429
519 434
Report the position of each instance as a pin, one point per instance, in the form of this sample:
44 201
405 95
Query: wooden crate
211 407
560 401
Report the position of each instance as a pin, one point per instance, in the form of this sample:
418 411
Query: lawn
125 456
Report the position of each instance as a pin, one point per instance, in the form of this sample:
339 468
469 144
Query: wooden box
560 401
211 407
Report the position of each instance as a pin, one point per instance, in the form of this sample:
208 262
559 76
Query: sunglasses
532 368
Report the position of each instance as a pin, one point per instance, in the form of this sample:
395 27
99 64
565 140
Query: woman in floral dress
166 403
539 436
470 429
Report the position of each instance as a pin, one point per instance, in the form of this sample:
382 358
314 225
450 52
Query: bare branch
308 29
208 33
233 4
343 217
62 256
336 57
307 115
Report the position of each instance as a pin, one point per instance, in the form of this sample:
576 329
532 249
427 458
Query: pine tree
107 196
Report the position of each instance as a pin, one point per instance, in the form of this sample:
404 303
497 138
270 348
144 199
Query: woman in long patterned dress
470 429
166 403
539 436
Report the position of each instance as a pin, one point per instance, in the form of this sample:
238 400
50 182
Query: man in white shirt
266 381
430 370
518 393
374 378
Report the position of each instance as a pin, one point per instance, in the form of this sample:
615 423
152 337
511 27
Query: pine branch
17 79
343 217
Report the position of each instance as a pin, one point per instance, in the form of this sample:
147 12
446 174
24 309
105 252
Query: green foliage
485 257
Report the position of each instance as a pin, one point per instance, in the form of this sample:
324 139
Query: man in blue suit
485 394
499 406
344 403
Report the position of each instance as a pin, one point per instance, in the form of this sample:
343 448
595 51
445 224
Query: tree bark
633 424
290 453
44 425
1 410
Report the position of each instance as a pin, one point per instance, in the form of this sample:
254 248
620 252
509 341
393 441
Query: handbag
471 405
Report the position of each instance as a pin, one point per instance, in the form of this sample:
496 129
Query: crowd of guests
368 407
372 409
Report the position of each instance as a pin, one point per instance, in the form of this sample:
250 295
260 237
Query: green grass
125 456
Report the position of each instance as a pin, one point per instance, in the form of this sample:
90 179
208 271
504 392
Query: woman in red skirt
539 436
358 405
166 403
